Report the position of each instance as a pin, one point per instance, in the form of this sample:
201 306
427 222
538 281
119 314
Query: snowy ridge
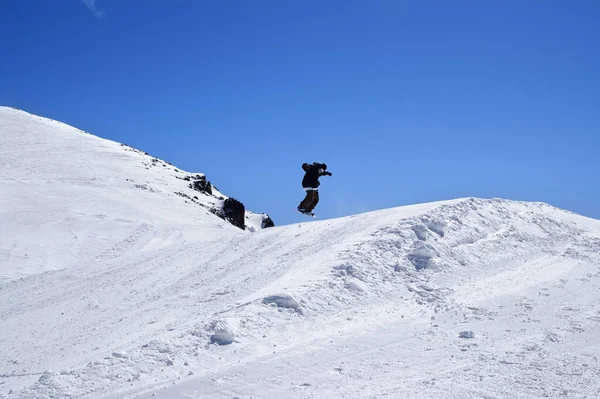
467 298
68 196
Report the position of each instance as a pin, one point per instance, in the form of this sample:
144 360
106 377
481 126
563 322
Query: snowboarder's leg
314 200
309 202
306 201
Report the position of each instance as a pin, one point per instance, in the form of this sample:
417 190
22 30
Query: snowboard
306 213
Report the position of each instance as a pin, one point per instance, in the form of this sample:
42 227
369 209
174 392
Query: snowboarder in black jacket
311 184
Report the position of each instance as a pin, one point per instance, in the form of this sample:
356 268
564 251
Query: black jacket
313 172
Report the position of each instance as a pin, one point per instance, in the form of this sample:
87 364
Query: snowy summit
122 276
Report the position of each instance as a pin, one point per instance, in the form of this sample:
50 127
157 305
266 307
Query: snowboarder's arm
322 169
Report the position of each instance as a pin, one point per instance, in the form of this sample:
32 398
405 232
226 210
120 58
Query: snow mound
422 255
282 301
466 334
222 332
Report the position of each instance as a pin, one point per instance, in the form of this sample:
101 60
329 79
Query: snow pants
310 201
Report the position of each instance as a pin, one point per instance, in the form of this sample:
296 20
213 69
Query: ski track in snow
109 290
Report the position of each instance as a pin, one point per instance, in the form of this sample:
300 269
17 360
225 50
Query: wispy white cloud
91 5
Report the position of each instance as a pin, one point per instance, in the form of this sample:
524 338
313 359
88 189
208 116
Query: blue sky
406 101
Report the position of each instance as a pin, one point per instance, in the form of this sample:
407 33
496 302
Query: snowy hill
470 298
68 196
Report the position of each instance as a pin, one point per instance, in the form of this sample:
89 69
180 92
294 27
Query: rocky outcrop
234 212
228 209
267 222
199 183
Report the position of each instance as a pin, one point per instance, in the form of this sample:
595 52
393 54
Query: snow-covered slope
68 197
469 298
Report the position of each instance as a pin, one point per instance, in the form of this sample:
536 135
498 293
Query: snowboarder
311 183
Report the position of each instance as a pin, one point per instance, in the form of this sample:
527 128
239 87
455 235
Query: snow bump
355 286
436 226
421 232
223 332
422 255
282 301
466 334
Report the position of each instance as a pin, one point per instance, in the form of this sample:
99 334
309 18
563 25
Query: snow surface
112 291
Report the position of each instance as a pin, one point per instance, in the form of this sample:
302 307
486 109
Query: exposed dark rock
234 212
200 184
267 222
